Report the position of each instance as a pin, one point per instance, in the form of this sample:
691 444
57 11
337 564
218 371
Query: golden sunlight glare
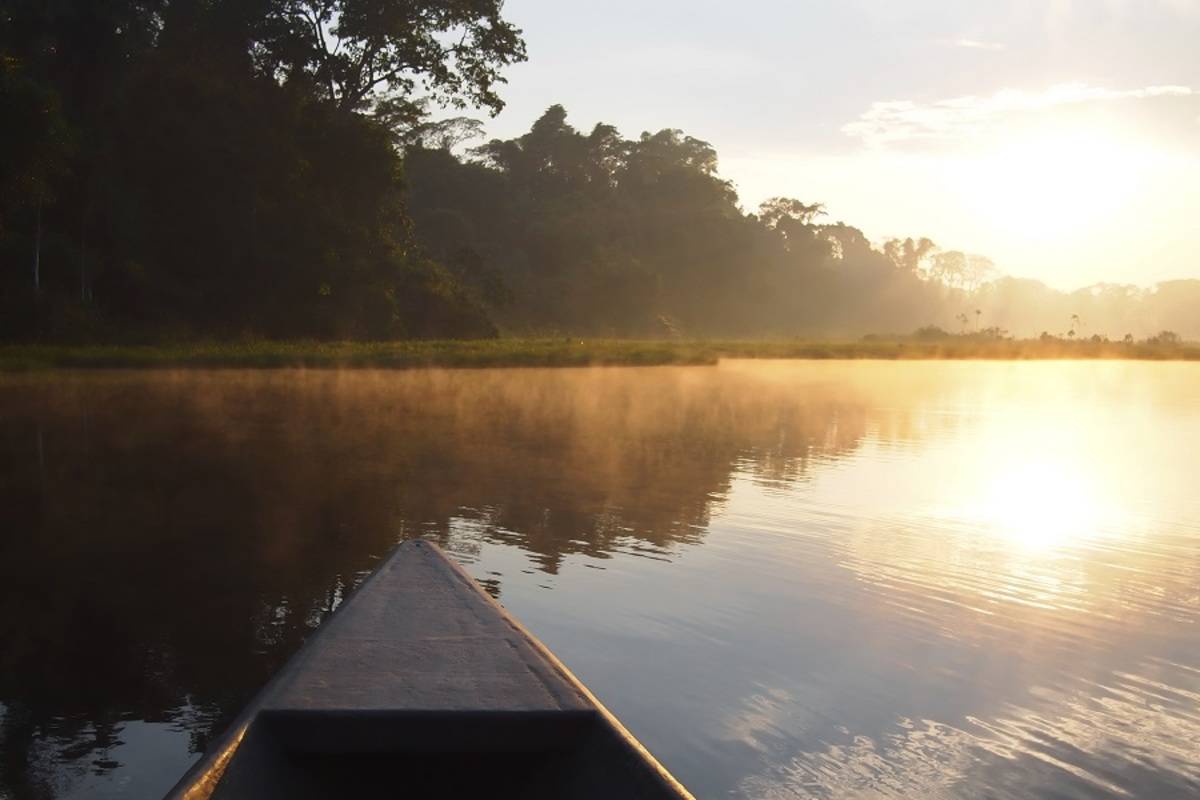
1050 186
1040 504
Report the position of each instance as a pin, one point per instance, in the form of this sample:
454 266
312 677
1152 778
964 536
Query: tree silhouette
375 53
177 168
229 168
909 254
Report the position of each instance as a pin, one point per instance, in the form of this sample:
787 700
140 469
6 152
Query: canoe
421 685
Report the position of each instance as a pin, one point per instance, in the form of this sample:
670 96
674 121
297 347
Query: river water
788 579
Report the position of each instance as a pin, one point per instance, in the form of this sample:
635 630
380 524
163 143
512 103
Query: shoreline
560 352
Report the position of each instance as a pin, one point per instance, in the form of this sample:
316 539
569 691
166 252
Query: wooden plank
420 635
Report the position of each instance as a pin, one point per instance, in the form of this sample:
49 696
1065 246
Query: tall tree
375 54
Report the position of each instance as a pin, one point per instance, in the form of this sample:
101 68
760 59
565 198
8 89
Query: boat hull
421 685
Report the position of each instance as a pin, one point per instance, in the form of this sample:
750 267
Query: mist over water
788 579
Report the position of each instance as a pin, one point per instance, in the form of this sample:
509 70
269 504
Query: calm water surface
790 580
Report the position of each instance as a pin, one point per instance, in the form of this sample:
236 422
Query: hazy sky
1059 137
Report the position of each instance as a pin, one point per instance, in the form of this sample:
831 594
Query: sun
1053 186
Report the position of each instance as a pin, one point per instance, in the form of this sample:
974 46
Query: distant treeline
183 168
561 230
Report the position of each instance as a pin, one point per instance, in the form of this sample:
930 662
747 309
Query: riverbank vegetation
177 170
569 352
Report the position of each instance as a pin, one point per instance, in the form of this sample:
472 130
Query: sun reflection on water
1041 505
1022 542
1044 476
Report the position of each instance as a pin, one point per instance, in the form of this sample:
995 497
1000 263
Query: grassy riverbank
556 352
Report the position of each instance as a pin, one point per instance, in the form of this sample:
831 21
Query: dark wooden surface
420 636
420 684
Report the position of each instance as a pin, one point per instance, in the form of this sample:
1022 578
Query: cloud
955 118
974 44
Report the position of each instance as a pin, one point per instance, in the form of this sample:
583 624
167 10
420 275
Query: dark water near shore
826 580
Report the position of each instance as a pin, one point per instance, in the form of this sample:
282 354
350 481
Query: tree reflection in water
172 537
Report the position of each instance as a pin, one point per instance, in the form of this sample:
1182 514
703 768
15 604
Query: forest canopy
562 230
183 168
229 166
